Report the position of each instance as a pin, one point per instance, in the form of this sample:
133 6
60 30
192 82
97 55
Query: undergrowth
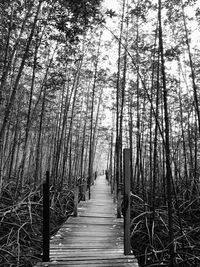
21 223
149 233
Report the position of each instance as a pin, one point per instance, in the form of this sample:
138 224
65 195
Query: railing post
89 187
46 220
114 190
84 189
76 193
127 241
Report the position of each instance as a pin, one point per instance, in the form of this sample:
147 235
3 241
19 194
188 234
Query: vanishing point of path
94 238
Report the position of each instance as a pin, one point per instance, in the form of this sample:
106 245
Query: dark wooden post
126 161
76 193
84 188
89 186
46 220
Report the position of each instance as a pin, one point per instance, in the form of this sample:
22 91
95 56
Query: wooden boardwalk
94 238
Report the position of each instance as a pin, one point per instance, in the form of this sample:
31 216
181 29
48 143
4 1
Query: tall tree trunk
28 122
74 89
123 88
8 60
138 135
41 119
183 138
155 145
91 147
196 97
167 144
19 74
60 138
118 100
16 83
94 144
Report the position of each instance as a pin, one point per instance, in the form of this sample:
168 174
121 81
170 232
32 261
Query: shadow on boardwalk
94 238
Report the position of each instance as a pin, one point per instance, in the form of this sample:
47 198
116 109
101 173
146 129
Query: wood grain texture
94 238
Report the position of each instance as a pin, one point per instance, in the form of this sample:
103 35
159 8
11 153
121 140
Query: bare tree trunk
117 145
75 86
14 91
155 145
8 61
183 138
42 114
91 146
16 83
58 148
14 146
28 122
167 144
123 88
196 97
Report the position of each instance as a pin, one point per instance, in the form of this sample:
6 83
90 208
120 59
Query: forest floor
150 234
21 223
21 228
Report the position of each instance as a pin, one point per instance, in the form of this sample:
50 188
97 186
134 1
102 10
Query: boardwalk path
95 237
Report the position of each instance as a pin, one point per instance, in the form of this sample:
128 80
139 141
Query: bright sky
111 4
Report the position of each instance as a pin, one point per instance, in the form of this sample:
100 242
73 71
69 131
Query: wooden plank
111 264
91 251
93 234
91 245
98 261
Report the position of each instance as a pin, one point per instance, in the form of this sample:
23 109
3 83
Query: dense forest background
80 81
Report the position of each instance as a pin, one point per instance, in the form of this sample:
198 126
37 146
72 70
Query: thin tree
118 100
167 143
91 145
